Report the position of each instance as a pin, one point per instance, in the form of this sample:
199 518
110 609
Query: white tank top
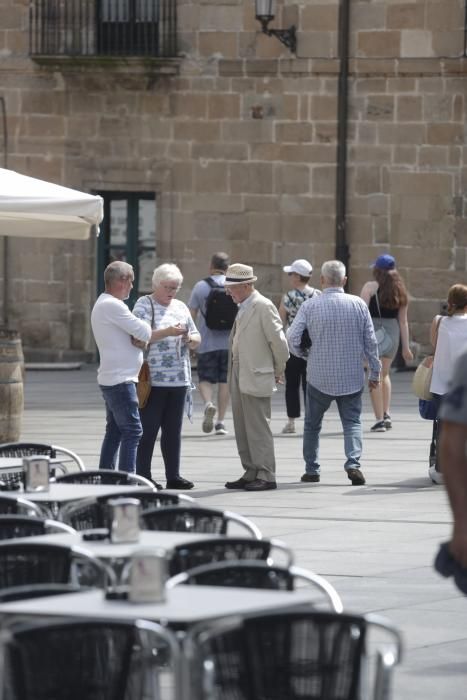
452 342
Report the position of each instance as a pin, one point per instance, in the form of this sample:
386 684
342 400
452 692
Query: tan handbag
421 381
143 388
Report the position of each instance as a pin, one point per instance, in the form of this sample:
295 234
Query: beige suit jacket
262 347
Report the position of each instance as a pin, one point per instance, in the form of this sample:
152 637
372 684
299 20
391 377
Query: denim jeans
350 409
164 411
123 428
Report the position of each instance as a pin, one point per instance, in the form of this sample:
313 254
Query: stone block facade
237 139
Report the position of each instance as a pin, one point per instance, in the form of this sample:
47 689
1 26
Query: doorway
128 232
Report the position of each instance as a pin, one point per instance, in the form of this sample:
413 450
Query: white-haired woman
174 335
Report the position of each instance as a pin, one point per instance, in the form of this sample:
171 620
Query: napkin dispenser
36 473
148 572
124 519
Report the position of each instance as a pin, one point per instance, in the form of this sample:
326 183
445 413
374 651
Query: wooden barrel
11 385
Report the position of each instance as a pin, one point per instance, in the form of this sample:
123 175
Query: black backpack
220 309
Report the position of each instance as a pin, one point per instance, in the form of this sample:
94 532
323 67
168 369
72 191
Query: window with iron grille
103 28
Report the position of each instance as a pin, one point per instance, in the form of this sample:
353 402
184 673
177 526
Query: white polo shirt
113 324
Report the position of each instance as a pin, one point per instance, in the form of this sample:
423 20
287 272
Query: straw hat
239 274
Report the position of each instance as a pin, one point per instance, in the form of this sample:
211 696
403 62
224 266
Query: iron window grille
103 28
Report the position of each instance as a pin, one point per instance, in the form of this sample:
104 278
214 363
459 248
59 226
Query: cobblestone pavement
375 543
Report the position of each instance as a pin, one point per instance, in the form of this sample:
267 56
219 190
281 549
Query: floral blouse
169 358
293 300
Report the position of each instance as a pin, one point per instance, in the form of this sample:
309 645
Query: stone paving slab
375 543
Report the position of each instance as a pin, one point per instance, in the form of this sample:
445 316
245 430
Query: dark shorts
212 366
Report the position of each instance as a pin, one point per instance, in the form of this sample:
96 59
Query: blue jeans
350 409
123 427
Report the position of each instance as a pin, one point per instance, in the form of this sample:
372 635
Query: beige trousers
255 444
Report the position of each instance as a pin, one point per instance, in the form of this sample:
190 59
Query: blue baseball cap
384 262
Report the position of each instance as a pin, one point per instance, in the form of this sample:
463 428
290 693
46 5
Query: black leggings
295 374
163 410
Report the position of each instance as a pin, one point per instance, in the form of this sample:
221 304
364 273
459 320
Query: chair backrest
233 549
26 449
93 513
11 505
23 563
12 526
309 655
92 659
104 476
183 518
86 514
63 456
256 574
150 499
237 574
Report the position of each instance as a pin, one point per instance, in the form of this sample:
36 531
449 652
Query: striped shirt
342 337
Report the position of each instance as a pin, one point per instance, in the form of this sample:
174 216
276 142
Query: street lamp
265 13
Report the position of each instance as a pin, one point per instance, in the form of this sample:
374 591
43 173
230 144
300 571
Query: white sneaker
220 429
209 413
435 476
288 428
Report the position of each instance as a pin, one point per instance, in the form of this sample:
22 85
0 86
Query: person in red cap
387 300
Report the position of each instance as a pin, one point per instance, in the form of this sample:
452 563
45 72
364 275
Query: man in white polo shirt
114 326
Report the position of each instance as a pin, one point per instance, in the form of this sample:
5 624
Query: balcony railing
103 28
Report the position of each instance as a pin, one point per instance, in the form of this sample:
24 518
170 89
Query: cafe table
59 494
183 607
117 554
13 466
105 549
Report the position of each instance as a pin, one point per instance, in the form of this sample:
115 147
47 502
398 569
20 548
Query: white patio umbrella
30 207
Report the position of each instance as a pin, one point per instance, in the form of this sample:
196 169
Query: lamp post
265 13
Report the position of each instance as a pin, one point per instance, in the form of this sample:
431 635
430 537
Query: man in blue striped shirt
342 337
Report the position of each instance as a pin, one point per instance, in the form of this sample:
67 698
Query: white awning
35 208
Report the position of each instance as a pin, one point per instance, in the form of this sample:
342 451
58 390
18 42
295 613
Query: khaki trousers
255 444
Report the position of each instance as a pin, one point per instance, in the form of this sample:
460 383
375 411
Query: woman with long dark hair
388 302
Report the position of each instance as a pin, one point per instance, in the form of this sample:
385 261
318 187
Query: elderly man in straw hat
258 352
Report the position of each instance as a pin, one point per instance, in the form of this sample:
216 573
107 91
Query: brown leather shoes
355 476
260 485
239 484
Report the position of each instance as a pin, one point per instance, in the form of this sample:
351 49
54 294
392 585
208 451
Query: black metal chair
231 549
37 590
256 574
63 458
12 505
303 655
104 476
93 513
12 526
195 519
90 659
23 563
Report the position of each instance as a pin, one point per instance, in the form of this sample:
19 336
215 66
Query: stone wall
237 138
